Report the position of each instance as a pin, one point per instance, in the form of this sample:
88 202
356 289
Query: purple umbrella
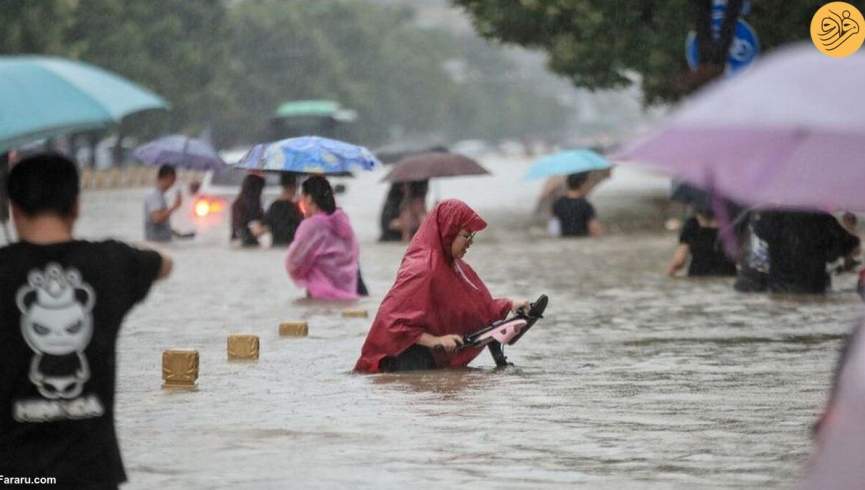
431 165
789 132
180 151
839 460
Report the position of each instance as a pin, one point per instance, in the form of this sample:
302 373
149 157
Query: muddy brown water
632 380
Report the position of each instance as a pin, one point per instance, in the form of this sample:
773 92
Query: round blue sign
743 49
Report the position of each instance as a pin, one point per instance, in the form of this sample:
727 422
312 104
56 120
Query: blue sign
744 47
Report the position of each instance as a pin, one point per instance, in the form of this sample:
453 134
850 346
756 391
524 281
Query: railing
128 177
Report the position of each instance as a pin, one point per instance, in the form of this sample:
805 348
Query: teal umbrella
42 97
315 108
567 162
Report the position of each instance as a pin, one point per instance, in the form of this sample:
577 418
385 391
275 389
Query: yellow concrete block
294 329
243 347
179 368
355 314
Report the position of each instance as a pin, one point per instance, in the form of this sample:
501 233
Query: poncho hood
434 293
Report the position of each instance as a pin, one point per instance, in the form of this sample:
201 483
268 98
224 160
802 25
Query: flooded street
632 380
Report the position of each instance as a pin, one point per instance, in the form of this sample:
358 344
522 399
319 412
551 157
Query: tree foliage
375 61
228 64
602 44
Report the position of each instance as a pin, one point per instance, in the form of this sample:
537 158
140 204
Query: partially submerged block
179 368
355 314
294 329
245 347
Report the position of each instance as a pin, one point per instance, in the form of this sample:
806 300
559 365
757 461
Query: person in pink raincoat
323 258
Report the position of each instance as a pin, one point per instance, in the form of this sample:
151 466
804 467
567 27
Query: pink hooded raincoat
323 258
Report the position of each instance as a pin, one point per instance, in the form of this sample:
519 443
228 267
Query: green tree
603 44
229 64
174 47
360 56
375 61
497 101
36 27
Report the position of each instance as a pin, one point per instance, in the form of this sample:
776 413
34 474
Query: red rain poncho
434 293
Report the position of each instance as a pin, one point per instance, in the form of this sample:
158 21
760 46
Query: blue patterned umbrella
309 155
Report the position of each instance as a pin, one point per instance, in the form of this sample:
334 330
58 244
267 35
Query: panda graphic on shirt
57 324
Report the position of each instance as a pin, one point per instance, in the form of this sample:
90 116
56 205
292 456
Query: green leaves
229 64
597 43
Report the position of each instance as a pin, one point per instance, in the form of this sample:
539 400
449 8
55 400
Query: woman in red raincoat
436 299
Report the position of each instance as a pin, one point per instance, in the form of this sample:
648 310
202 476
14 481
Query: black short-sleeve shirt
283 217
707 253
800 246
61 307
574 215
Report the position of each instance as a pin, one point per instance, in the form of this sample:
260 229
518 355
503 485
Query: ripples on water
632 380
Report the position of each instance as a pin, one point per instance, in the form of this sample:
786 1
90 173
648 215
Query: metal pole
4 199
6 234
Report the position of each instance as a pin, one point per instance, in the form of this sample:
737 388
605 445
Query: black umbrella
432 165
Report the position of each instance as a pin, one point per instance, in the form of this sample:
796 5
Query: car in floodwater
210 208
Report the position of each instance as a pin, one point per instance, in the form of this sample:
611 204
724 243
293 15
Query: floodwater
632 380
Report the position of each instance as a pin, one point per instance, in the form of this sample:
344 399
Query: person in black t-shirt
575 215
699 241
283 216
801 244
62 302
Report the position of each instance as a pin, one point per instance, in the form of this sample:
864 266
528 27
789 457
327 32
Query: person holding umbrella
575 214
319 257
247 213
403 211
414 208
323 258
157 213
390 212
572 214
412 174
284 216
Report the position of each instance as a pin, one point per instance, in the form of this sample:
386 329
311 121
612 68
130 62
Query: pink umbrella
789 132
839 462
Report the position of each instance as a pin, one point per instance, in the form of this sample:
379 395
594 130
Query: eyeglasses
468 236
